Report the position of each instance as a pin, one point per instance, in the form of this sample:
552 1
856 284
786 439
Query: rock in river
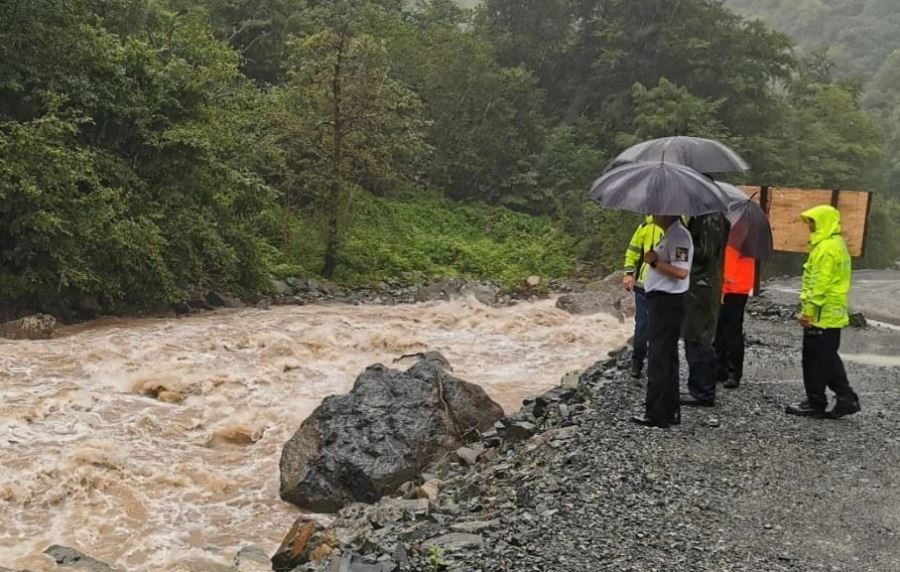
366 444
37 327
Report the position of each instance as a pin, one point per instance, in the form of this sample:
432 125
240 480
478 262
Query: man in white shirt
668 279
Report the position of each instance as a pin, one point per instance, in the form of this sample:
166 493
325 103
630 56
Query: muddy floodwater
154 444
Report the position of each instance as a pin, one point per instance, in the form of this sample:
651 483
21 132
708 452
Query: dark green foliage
423 235
151 149
114 182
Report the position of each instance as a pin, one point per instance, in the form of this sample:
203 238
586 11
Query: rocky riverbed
568 483
153 444
738 487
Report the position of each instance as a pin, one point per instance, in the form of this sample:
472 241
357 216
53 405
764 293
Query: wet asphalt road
875 293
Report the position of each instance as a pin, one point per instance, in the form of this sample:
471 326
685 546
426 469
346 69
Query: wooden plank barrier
783 205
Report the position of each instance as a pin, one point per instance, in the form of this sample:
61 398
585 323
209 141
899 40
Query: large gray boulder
361 446
604 296
455 288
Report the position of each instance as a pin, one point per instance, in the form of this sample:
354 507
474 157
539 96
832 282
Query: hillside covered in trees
856 35
149 148
855 40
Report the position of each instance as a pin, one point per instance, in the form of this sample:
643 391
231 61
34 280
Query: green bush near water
426 236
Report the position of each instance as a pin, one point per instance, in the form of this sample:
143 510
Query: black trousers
823 367
665 313
730 337
701 360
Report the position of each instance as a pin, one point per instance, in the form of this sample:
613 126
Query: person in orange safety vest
740 276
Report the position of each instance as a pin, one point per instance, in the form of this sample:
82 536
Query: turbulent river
154 443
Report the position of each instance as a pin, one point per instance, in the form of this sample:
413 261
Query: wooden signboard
784 206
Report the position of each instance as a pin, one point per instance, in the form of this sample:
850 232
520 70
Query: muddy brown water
154 444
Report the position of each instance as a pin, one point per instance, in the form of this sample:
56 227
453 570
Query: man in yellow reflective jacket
644 240
823 312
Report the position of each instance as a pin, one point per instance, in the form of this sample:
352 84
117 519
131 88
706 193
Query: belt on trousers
667 294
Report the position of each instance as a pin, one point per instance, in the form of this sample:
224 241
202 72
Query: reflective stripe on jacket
827 273
645 238
740 273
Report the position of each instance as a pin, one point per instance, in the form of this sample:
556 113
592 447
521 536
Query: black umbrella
659 188
751 233
702 155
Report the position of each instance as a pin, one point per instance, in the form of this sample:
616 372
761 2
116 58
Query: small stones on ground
430 489
517 431
467 456
454 541
474 526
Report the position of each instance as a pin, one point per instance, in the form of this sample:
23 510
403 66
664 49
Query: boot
637 368
805 409
844 407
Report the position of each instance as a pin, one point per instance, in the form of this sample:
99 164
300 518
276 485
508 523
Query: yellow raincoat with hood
827 272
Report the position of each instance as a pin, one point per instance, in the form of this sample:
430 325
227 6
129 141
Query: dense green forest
150 148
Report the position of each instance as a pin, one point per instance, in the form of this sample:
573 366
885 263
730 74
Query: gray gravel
739 487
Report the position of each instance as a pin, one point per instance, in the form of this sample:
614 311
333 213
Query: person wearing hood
823 313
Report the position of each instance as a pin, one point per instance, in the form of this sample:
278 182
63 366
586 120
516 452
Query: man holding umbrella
710 234
641 179
668 190
668 279
749 240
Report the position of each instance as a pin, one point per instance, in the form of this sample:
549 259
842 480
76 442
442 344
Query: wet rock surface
36 327
392 424
71 558
741 487
605 296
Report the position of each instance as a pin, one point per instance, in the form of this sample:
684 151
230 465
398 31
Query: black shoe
636 369
645 421
805 409
843 408
691 401
732 384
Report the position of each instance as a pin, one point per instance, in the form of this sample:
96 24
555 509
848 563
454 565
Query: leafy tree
668 109
354 126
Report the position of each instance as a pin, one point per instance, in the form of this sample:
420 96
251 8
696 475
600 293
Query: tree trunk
286 221
332 222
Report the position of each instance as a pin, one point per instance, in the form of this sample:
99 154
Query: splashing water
146 443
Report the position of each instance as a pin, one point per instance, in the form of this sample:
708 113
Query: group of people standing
689 284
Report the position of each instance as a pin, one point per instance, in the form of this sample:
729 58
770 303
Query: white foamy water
152 444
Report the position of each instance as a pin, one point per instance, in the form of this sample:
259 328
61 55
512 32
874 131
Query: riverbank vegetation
150 148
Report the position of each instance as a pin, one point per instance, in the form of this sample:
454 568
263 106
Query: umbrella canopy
751 233
659 188
702 155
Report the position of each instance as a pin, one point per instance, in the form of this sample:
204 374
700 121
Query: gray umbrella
659 188
702 155
751 233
